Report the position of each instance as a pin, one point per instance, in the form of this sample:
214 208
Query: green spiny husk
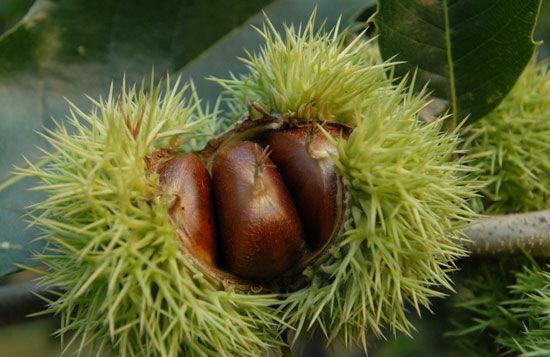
400 237
309 75
529 304
511 149
130 288
503 309
406 199
481 323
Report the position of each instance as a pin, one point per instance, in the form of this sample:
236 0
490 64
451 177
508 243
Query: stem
450 64
514 233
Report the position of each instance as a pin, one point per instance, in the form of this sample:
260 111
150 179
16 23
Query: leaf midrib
448 50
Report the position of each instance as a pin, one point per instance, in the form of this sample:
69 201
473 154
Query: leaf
471 52
68 48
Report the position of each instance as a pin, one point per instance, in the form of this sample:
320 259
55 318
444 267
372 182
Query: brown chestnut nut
260 230
186 178
258 204
302 156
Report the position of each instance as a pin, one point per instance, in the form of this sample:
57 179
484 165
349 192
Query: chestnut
260 230
187 180
259 203
302 156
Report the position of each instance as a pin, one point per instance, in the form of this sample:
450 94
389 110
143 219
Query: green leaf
470 51
68 48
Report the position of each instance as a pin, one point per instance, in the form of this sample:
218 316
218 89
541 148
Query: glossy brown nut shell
310 176
186 178
260 230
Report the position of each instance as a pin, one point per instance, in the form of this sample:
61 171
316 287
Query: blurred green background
34 337
12 11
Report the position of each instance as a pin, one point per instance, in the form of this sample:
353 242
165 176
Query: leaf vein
410 38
